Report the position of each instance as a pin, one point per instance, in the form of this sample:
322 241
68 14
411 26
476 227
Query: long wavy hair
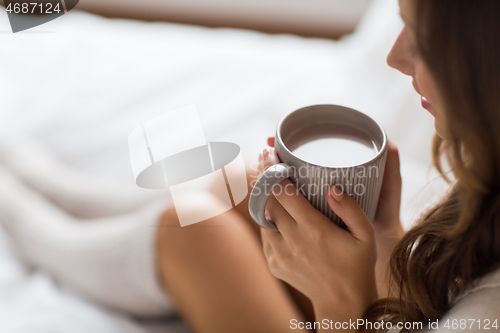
458 240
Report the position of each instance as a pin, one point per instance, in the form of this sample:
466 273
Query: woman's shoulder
477 309
488 283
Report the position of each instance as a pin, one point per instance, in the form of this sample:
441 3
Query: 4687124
33 8
471 324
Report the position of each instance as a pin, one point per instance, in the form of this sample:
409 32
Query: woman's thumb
350 212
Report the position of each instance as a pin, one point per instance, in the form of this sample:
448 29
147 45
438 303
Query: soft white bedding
81 83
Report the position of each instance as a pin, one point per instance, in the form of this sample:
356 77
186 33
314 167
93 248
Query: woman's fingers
295 203
260 168
269 158
266 246
276 251
289 196
286 225
275 240
351 213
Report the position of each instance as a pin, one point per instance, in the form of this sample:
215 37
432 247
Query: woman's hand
333 267
387 222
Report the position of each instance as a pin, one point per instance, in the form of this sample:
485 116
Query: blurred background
317 18
74 88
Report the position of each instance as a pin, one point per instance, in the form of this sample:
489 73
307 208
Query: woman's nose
399 58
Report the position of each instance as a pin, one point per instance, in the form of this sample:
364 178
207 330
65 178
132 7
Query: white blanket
81 83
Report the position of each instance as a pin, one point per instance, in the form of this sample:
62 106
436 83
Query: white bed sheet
81 83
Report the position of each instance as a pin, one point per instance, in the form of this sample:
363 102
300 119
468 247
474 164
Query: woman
445 267
220 279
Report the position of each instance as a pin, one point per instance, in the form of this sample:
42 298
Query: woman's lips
425 104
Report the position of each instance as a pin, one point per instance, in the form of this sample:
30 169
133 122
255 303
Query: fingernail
336 193
260 157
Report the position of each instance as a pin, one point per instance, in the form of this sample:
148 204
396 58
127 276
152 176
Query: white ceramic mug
362 180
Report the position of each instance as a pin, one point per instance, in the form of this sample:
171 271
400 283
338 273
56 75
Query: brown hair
458 240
